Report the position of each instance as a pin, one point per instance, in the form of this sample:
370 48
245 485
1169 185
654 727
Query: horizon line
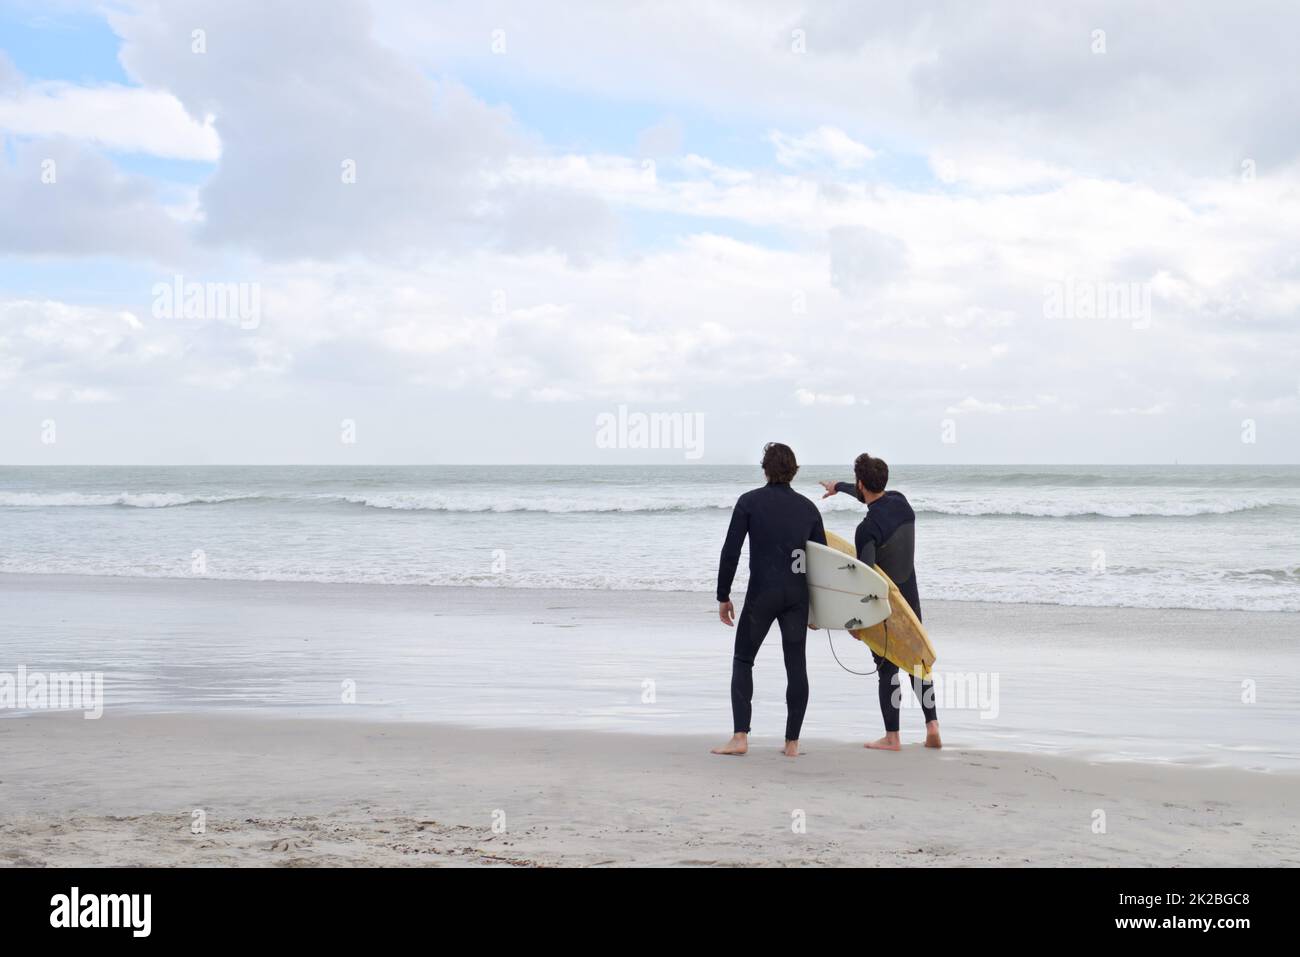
683 465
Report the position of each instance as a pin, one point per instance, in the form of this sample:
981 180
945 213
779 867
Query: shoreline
705 594
319 792
272 716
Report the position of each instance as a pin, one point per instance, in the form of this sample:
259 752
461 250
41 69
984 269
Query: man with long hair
779 523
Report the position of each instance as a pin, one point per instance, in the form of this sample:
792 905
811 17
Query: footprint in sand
290 844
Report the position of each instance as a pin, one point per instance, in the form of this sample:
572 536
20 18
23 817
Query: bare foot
932 735
738 744
890 742
791 749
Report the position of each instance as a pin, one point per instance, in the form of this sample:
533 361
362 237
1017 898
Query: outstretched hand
830 489
727 612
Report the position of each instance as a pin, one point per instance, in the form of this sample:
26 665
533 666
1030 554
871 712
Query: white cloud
807 397
11 80
122 118
974 405
1002 170
92 396
87 206
89 355
863 261
1159 408
332 147
664 138
960 79
826 144
616 177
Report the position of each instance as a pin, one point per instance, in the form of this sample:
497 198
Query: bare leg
791 749
738 744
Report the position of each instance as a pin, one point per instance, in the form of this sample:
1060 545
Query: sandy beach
122 791
232 698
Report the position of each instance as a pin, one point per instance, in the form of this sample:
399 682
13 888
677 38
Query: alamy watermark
1089 299
127 911
236 302
53 691
651 430
955 691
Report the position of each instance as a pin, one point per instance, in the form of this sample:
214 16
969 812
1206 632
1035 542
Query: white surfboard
844 592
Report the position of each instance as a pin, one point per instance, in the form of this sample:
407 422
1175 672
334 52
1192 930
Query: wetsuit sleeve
818 531
736 533
848 489
866 539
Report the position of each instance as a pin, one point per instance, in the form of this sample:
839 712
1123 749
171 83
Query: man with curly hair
887 537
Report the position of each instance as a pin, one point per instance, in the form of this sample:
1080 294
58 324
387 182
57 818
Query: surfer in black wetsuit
887 537
779 522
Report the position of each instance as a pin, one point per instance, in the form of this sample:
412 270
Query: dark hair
778 462
872 473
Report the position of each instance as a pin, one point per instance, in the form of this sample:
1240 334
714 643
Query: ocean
1208 537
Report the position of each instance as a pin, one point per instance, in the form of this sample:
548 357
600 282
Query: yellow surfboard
901 638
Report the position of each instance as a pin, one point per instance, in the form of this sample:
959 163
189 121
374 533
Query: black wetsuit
887 537
779 522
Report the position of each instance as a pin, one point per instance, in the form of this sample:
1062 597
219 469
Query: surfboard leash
830 640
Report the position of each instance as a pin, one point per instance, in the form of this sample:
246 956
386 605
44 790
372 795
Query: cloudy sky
944 232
